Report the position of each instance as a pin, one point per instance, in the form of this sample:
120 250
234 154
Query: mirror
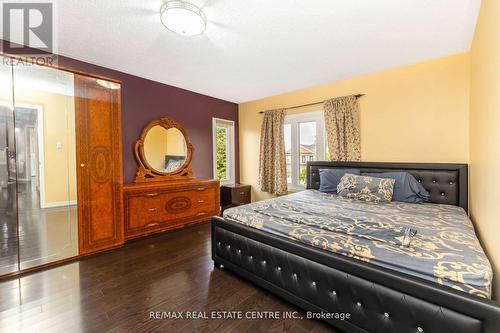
165 149
38 177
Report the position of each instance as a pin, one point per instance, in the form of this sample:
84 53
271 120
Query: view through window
222 152
304 142
223 148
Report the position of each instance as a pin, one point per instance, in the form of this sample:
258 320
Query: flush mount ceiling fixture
183 18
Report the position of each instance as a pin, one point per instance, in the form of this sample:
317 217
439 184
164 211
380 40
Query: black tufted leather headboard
446 183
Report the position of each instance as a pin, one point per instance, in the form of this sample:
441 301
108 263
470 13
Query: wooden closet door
99 165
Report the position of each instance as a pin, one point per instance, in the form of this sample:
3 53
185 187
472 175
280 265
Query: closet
99 155
60 165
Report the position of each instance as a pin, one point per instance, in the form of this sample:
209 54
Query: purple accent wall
145 100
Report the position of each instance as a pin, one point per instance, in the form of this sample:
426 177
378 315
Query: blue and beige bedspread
430 241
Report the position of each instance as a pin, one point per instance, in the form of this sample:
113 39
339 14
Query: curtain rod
300 106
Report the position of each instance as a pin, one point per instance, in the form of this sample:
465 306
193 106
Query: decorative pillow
406 188
366 188
329 179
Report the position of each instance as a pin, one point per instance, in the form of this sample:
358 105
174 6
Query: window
304 142
223 150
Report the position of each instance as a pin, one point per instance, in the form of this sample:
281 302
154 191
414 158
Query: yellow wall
485 133
155 147
176 143
59 126
417 113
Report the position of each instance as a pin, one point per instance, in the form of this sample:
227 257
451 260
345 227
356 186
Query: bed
440 283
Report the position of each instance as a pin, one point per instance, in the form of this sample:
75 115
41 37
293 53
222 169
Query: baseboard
59 204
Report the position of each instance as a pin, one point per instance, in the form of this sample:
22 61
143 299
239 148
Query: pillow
366 188
329 179
406 188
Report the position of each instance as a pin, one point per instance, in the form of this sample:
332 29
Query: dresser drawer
144 211
240 195
205 195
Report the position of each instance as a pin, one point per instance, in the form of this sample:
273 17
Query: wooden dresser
156 207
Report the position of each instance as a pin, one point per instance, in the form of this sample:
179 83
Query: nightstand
232 195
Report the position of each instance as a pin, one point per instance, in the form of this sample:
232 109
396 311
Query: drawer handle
152 209
201 188
201 213
151 194
242 193
201 201
152 224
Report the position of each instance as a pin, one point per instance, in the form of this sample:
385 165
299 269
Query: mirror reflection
38 174
8 205
165 149
37 166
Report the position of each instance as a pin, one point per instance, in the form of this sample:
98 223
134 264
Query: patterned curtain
272 164
342 128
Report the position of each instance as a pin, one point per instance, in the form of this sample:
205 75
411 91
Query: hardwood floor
117 290
45 235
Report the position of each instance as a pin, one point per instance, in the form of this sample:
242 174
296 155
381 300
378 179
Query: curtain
272 163
342 128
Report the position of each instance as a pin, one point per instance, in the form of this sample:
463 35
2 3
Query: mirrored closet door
56 149
9 247
44 117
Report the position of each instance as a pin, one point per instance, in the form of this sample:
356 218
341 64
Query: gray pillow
366 188
406 188
329 179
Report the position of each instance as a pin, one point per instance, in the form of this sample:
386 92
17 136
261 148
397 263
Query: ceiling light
108 84
183 18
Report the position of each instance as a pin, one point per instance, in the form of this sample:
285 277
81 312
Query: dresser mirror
165 149
163 152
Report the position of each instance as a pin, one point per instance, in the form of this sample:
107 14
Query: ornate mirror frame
146 173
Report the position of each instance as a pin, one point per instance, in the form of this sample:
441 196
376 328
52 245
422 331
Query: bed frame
378 299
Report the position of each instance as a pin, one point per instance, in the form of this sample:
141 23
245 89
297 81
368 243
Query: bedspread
442 246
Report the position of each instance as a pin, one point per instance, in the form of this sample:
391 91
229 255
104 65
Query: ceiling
259 48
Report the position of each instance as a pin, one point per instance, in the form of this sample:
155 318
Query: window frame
294 120
231 168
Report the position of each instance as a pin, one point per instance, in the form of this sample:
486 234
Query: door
44 117
98 135
9 246
60 166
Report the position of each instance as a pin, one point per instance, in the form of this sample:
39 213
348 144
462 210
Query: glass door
38 165
45 163
9 247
